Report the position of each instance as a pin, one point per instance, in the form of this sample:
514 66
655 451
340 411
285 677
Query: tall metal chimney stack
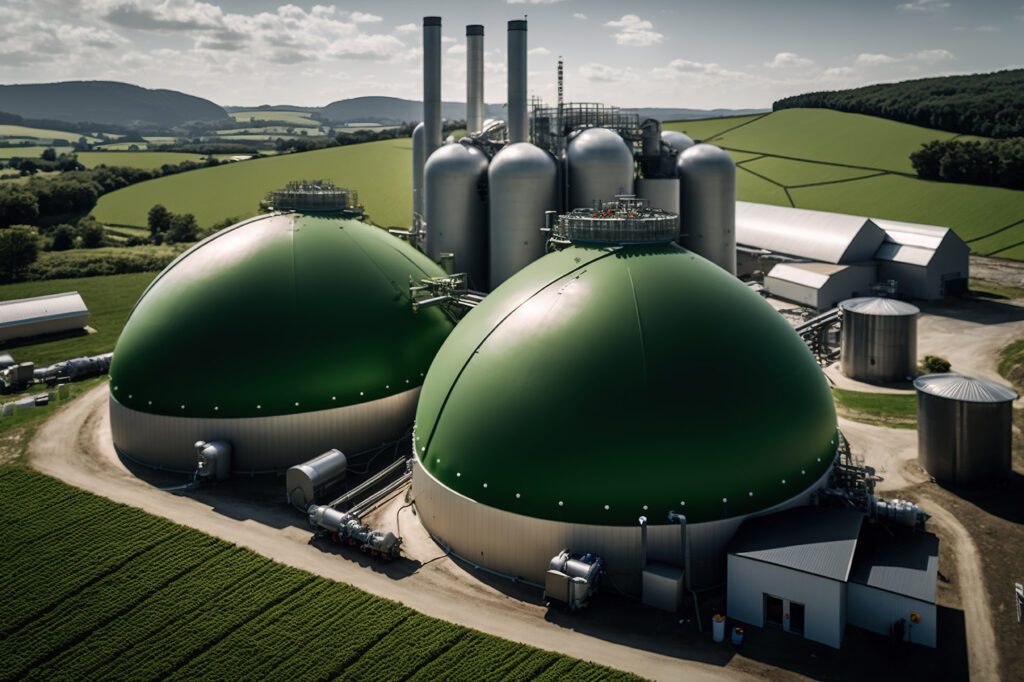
431 85
518 121
474 78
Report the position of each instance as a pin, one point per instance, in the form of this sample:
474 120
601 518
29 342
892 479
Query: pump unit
213 459
572 579
348 529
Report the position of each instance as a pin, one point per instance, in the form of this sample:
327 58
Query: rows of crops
94 589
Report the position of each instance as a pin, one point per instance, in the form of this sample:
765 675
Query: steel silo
522 182
878 341
455 180
677 140
964 427
600 166
708 201
660 193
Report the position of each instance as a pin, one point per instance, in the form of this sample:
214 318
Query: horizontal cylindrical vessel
600 167
522 182
660 193
454 179
964 428
708 201
305 482
878 341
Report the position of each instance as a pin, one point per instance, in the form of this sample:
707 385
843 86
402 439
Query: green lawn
109 300
749 187
882 409
705 129
792 173
379 171
134 596
42 133
298 118
834 137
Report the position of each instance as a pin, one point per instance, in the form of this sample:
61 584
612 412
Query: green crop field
299 118
135 159
148 599
849 163
41 133
33 152
109 300
379 171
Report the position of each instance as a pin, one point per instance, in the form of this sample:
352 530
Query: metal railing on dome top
626 220
316 196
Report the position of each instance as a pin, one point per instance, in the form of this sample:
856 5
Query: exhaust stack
474 78
431 85
518 123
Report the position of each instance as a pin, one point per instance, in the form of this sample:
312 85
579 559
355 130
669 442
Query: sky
697 54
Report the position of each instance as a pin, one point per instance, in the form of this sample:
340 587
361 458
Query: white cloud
868 59
932 56
457 49
788 60
923 6
447 39
679 67
602 73
539 50
407 28
533 2
361 18
579 15
634 31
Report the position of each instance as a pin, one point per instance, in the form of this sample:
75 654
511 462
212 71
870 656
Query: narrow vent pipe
518 124
431 85
474 78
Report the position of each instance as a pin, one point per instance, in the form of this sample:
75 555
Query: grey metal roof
53 306
816 235
813 275
874 305
964 389
897 560
816 540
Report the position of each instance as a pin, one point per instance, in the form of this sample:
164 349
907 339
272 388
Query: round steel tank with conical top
677 140
418 161
878 339
964 428
522 184
600 167
455 178
707 198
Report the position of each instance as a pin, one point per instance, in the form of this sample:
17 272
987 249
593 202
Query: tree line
992 162
987 104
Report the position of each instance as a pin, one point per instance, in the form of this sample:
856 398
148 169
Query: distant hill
106 102
987 104
393 109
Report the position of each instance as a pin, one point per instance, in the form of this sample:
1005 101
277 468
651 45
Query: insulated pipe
681 520
643 544
474 78
431 85
518 123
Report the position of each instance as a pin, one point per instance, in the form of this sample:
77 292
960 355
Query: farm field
42 133
139 159
109 298
849 163
32 152
380 171
299 118
150 599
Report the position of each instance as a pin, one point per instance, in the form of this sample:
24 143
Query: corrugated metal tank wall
600 166
878 339
964 428
708 202
456 213
522 182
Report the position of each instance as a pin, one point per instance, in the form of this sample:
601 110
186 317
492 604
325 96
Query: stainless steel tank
418 160
522 183
964 428
455 180
708 201
305 482
878 339
600 165
677 140
660 193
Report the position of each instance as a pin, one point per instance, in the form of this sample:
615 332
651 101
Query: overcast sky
684 53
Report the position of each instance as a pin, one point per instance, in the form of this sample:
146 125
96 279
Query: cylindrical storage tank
522 183
964 428
600 166
677 140
878 339
418 160
456 212
474 78
660 193
305 482
708 201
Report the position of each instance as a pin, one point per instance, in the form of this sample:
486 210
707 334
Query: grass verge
895 411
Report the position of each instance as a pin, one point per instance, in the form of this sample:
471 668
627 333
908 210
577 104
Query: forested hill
988 104
106 102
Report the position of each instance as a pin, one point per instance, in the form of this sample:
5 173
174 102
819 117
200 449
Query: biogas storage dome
601 384
285 335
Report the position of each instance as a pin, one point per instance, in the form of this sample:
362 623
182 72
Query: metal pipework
431 85
681 520
643 543
474 78
518 122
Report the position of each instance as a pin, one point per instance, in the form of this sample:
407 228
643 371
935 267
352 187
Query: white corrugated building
51 314
926 261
